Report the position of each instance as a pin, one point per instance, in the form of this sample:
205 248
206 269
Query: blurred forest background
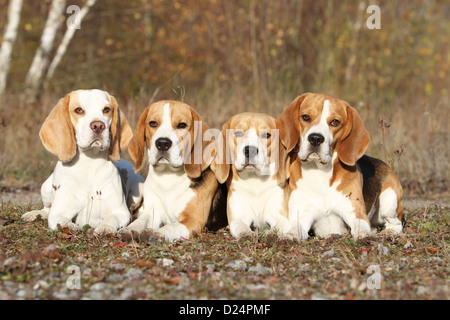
229 56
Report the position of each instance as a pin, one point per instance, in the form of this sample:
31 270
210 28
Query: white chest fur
256 199
166 193
89 189
316 204
315 190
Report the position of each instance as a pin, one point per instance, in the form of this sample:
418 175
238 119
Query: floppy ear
222 162
194 162
355 139
121 132
58 134
283 165
137 146
287 124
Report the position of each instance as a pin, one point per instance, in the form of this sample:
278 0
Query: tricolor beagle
247 160
86 130
332 184
180 190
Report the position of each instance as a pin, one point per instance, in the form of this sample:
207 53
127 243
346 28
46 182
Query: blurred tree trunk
15 7
71 29
41 58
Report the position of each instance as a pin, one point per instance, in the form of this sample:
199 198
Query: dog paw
35 215
104 229
270 237
173 232
247 236
363 235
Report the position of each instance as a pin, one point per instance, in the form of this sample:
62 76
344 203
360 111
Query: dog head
86 120
249 142
172 132
321 125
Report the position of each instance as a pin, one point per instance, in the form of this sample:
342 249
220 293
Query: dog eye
335 123
306 118
238 134
153 124
79 110
106 110
266 135
182 125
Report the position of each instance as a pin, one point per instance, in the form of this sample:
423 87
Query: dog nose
250 151
97 127
163 144
316 139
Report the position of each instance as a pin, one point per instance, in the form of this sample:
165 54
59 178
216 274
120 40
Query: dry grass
34 262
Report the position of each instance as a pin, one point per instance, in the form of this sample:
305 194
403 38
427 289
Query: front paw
364 235
250 236
71 226
173 232
35 215
297 234
104 229
61 223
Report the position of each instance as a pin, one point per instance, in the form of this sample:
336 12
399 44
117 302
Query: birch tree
72 25
14 9
41 58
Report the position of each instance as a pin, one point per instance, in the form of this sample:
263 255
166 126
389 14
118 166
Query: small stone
117 266
329 253
41 284
210 267
165 262
134 274
382 249
408 245
260 269
98 286
237 264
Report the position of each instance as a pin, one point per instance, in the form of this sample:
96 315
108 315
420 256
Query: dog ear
138 142
288 124
194 161
221 165
355 139
283 172
58 134
121 132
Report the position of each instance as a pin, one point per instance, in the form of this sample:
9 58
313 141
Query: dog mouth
314 157
251 164
96 144
164 159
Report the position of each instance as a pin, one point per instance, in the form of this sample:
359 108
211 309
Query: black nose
163 144
316 139
250 151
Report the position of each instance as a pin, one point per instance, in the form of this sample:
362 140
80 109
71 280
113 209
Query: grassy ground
34 264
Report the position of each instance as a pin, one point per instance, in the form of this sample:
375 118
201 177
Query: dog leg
46 196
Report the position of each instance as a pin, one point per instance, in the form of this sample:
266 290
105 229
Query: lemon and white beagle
247 160
333 186
181 193
86 130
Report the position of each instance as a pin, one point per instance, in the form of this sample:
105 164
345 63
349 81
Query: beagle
332 184
247 160
181 194
86 130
